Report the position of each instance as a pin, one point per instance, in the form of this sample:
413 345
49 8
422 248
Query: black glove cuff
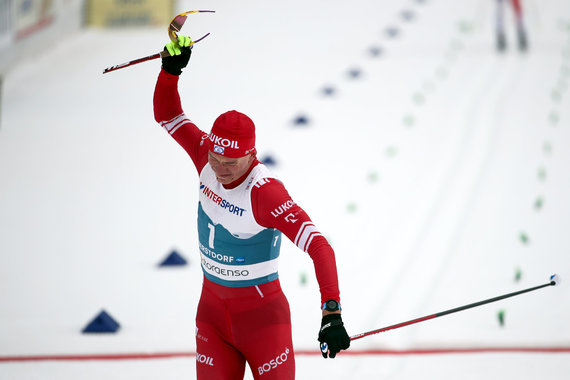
330 320
334 319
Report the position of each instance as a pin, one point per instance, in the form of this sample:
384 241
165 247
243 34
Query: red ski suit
250 323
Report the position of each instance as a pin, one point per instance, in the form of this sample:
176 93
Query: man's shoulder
269 192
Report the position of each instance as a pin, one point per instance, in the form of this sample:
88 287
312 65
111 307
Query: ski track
471 99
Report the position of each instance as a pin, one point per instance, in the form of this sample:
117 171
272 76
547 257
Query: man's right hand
179 55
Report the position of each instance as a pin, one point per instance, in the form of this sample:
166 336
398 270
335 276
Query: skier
243 315
521 32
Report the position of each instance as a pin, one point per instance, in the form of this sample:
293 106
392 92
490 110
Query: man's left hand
333 336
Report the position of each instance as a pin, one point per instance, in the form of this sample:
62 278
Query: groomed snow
439 174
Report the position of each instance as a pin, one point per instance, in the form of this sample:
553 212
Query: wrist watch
331 305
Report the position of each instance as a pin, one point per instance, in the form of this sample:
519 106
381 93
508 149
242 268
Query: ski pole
162 54
173 28
554 280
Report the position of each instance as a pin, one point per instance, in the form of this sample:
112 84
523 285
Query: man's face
227 169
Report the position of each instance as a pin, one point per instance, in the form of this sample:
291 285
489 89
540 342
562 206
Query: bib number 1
212 234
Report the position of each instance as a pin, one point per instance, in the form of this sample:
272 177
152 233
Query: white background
424 172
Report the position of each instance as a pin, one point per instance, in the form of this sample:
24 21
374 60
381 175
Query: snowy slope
437 173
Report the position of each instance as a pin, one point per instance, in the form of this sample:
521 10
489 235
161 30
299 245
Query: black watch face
332 305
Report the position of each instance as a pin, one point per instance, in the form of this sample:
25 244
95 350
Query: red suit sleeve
169 114
273 208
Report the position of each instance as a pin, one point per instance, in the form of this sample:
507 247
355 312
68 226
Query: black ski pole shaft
553 281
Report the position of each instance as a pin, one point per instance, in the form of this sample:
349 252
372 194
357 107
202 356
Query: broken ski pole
173 29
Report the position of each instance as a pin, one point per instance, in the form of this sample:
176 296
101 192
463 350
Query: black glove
333 336
179 55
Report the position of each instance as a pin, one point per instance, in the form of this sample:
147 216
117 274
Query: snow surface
439 175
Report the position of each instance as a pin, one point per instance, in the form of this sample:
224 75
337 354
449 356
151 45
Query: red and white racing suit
243 315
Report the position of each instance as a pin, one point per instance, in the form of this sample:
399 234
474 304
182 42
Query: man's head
232 146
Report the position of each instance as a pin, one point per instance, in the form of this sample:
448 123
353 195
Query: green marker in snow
501 317
518 275
523 238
